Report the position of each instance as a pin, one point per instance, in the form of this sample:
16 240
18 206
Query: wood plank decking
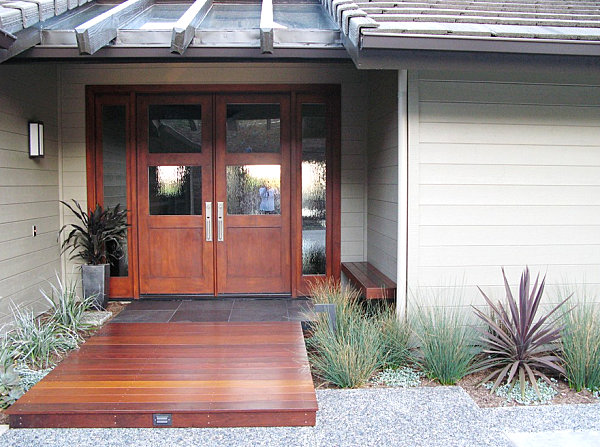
202 374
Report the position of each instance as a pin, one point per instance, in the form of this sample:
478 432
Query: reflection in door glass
314 144
114 176
174 129
253 128
175 190
254 189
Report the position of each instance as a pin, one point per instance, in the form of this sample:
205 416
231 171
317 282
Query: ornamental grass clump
38 342
395 338
447 342
349 356
66 308
520 344
580 345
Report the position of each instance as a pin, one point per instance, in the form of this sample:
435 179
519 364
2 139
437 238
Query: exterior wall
354 128
382 165
504 171
28 188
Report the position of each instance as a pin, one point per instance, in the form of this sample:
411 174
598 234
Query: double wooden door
214 202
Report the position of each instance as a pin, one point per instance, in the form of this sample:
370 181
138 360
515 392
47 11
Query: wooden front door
214 204
263 158
253 194
175 190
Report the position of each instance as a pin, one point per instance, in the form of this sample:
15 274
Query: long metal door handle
208 222
220 224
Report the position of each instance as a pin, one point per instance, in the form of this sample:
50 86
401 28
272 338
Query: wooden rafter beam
24 40
266 26
185 28
6 39
99 31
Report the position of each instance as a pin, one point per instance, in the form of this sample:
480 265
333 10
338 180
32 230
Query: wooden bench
370 282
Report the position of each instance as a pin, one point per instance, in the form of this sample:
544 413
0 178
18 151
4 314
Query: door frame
330 94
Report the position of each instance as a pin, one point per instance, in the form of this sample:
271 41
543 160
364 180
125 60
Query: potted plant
89 239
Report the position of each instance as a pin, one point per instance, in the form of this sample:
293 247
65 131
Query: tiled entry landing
217 309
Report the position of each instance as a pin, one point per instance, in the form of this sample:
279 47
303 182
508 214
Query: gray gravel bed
545 417
440 416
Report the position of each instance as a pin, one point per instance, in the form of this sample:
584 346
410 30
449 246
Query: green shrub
401 377
37 342
544 394
580 345
350 356
66 308
29 377
446 337
10 389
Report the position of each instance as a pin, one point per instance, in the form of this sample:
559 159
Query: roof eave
481 44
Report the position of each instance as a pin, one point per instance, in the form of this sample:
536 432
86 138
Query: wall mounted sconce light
36 139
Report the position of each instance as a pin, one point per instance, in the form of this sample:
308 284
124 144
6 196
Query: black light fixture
36 139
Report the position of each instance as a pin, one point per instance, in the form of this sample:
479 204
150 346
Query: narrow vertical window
114 169
314 187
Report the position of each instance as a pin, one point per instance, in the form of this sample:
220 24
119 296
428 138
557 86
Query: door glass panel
175 129
175 190
114 172
253 189
253 128
314 145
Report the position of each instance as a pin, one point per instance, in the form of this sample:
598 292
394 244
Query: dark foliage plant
96 229
519 344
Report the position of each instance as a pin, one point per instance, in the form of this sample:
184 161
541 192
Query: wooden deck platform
193 374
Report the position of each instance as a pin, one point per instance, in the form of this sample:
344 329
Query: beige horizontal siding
382 196
28 188
504 171
353 127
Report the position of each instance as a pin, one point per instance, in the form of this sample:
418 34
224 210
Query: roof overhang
377 39
370 33
453 60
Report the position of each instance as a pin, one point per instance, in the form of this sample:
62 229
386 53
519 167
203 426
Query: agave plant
97 230
520 344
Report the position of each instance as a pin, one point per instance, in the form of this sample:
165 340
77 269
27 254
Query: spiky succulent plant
519 343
